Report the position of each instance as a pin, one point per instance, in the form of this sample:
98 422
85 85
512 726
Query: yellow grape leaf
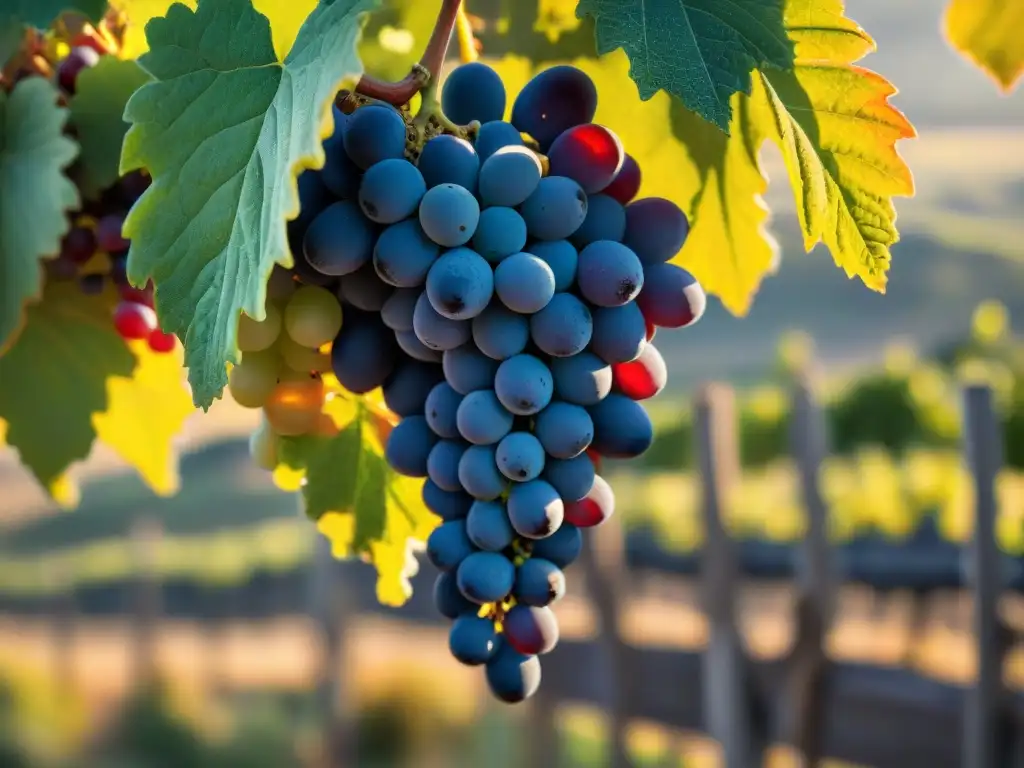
286 16
729 249
358 501
991 34
145 412
838 133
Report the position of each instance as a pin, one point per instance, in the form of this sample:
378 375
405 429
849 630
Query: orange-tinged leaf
145 413
991 34
838 133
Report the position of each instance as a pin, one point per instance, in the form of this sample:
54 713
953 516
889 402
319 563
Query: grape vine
440 293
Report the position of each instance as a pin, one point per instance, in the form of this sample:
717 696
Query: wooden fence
884 717
874 716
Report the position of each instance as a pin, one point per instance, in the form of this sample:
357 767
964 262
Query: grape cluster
503 290
96 227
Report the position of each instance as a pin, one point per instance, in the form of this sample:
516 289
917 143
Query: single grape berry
447 159
161 342
79 245
472 639
373 133
108 234
590 154
594 508
656 229
554 101
81 57
512 676
642 378
449 214
134 321
626 183
473 91
672 297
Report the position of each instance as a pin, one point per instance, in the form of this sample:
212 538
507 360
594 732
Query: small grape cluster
503 290
96 228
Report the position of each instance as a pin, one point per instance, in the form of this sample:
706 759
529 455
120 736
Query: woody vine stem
426 71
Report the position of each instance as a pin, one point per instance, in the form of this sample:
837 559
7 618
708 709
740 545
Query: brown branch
429 66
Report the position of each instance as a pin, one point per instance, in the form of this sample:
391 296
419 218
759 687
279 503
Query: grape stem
425 72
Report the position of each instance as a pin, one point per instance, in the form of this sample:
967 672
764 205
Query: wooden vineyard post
330 609
816 582
604 566
146 535
985 739
728 704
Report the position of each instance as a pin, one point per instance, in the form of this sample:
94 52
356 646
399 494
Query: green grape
253 380
263 446
295 406
313 316
254 336
302 359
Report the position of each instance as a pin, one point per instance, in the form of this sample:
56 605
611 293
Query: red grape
594 508
590 154
134 321
626 183
161 342
80 58
642 378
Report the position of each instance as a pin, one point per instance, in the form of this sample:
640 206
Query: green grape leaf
35 195
11 35
97 115
700 51
54 379
41 13
358 501
224 127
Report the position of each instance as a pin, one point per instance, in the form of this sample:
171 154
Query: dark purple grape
81 57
